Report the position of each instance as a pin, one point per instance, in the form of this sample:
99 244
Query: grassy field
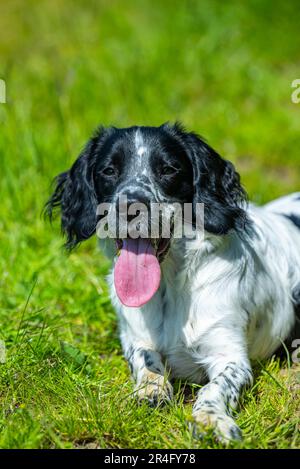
224 69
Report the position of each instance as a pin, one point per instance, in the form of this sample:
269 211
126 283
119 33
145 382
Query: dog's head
145 165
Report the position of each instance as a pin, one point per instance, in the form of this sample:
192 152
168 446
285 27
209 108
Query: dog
194 309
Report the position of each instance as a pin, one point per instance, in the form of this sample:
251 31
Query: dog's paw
223 426
155 390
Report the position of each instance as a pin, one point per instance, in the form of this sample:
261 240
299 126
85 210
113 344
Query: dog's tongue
137 272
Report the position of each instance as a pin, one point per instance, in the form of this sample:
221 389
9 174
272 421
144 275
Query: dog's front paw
223 426
155 389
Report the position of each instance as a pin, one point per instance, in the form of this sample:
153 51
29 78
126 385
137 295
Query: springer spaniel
197 309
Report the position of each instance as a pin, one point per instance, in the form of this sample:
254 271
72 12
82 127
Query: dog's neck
184 253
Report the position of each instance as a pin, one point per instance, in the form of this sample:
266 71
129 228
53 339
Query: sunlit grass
225 70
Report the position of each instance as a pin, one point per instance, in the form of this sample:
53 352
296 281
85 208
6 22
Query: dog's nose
138 197
133 204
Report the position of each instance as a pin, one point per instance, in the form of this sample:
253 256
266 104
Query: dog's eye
109 171
168 170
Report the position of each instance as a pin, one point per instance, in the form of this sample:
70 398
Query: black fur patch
296 295
148 359
294 218
295 332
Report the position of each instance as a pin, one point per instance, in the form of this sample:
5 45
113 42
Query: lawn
225 70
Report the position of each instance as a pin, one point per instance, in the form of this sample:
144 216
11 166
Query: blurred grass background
225 70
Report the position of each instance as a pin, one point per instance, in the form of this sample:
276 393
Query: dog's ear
216 185
75 196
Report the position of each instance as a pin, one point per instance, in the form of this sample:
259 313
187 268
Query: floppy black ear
75 196
216 185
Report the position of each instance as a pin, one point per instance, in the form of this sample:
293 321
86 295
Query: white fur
222 301
229 295
139 144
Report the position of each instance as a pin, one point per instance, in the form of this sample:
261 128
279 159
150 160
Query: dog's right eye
168 170
109 171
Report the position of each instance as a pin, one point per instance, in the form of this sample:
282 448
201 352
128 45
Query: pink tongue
137 272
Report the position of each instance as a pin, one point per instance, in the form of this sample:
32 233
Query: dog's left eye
168 170
109 171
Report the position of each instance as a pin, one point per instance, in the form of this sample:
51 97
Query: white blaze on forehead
141 151
139 144
142 168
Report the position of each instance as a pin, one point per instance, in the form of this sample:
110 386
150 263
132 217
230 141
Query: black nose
138 197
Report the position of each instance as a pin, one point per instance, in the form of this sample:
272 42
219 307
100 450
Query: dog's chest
166 324
179 334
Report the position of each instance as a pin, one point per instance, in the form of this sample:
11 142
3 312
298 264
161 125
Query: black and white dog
196 310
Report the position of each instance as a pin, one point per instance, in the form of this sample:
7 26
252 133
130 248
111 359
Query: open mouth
137 271
160 246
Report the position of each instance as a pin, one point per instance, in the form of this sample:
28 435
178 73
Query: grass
225 70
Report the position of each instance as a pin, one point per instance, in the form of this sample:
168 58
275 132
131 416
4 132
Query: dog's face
146 165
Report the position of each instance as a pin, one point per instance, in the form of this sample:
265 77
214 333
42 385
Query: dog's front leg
150 375
229 374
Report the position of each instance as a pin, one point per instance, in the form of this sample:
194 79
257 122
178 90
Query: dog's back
289 206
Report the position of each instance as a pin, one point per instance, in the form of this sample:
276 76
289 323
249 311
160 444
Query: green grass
223 68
